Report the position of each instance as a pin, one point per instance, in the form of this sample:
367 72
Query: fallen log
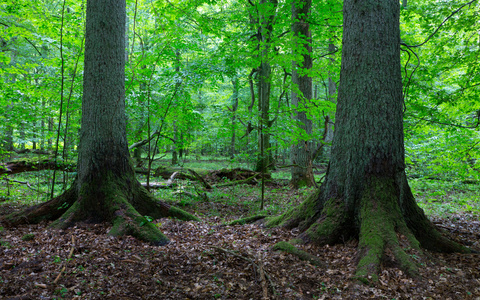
250 180
19 166
25 165
156 185
200 178
166 172
237 174
34 151
161 185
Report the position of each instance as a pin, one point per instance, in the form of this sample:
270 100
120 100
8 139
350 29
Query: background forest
192 81
213 85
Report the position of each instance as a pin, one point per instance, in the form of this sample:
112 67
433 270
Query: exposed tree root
246 220
289 248
47 211
301 216
386 221
125 207
381 223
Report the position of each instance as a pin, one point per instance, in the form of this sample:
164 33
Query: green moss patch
289 248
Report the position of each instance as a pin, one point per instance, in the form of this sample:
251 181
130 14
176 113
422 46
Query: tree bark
264 37
106 188
366 194
328 123
233 110
302 152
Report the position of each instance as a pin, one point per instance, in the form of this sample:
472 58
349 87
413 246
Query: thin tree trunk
264 37
174 146
302 152
332 90
233 110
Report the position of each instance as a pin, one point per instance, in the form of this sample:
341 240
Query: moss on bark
247 220
330 227
289 248
380 221
301 216
129 222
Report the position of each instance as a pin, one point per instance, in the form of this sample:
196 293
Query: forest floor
209 260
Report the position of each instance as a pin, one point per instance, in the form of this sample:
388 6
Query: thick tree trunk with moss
106 189
365 194
302 152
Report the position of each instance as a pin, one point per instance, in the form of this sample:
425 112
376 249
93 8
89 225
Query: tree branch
441 24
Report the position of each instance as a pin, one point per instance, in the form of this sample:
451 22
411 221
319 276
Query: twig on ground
250 261
64 265
263 282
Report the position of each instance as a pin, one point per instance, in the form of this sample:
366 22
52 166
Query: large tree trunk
365 194
106 188
302 152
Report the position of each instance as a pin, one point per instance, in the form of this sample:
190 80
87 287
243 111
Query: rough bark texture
302 152
365 194
106 188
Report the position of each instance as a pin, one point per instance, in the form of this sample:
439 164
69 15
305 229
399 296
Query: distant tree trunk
365 194
50 130
180 149
233 110
174 146
106 188
264 36
175 131
34 137
264 86
141 122
8 139
302 152
332 90
42 126
22 136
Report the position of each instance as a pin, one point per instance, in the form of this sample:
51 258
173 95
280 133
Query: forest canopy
192 76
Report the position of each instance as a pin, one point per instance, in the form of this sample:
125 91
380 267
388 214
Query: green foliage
190 62
444 198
